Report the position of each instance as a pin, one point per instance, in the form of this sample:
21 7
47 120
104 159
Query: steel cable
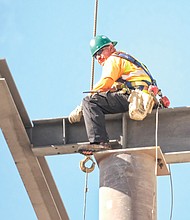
94 34
91 88
85 195
156 166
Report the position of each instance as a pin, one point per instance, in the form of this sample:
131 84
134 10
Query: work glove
76 115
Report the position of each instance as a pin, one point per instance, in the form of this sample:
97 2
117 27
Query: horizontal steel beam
58 136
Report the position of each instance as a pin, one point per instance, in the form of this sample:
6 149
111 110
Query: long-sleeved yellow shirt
115 68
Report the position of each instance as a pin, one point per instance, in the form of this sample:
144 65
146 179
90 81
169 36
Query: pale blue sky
46 46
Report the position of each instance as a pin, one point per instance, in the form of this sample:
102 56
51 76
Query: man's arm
104 85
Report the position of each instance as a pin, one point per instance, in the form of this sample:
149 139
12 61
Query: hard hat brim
113 42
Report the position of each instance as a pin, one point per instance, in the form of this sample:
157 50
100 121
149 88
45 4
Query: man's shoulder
115 57
118 55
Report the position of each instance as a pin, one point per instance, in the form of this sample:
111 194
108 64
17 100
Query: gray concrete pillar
127 186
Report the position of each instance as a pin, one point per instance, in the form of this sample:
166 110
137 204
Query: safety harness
141 103
136 63
164 101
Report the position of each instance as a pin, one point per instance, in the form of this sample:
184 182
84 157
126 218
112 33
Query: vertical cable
171 187
85 195
91 87
156 163
156 140
94 34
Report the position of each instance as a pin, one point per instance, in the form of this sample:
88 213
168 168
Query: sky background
46 46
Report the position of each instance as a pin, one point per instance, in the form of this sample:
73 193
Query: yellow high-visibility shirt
115 68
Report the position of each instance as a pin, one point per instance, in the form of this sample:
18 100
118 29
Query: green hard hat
98 42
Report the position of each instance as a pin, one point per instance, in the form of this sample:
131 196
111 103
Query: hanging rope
94 34
156 163
87 158
156 167
85 195
87 170
172 197
156 140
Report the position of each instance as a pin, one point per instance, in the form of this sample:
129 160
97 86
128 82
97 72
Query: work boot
89 149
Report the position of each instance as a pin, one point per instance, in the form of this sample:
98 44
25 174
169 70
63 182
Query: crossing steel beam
33 170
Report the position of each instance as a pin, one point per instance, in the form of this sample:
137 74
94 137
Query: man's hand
76 115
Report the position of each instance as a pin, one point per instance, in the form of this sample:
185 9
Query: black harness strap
136 63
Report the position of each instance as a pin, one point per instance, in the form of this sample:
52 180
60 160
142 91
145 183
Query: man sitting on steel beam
125 85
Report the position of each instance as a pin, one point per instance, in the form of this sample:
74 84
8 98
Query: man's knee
85 101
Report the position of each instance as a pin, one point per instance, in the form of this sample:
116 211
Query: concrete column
127 186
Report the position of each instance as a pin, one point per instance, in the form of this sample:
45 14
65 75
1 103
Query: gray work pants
94 109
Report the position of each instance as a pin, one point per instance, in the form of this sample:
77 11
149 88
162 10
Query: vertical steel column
127 186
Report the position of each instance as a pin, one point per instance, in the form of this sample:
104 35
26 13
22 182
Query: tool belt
141 101
127 87
141 104
142 85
